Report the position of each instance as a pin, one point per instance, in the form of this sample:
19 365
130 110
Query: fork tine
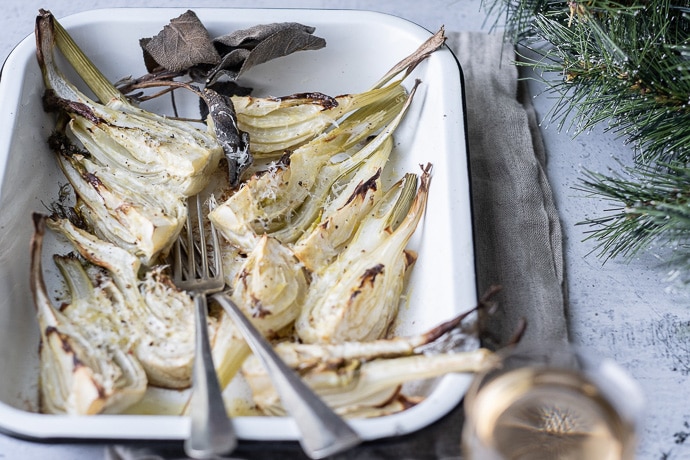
190 249
211 432
178 266
217 256
204 271
196 246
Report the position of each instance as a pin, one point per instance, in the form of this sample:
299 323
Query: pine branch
623 63
626 65
649 206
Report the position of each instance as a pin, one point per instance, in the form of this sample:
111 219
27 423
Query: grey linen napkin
517 231
518 244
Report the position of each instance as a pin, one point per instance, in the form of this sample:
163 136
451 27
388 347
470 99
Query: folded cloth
517 231
518 244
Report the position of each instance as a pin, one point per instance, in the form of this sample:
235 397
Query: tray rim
32 425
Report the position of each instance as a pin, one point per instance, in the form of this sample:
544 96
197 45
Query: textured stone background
629 310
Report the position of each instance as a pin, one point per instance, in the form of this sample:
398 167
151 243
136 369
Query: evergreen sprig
626 65
646 206
623 63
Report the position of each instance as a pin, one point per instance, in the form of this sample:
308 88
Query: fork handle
323 432
212 433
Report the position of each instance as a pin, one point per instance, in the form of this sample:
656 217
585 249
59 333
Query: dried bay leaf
182 44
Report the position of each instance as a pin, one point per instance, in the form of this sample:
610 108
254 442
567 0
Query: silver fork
211 432
323 432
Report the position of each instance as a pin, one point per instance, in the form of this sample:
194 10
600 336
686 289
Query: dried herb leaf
226 89
235 142
184 47
182 44
252 36
230 66
244 49
149 61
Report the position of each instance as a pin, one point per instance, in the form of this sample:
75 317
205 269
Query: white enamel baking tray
361 47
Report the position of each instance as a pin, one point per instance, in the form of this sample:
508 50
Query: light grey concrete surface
631 310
